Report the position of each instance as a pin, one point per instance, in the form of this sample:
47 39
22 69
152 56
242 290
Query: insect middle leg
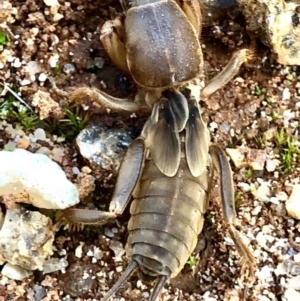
221 164
129 173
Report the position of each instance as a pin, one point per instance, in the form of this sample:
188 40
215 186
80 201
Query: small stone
57 17
75 170
146 295
263 192
25 82
78 250
39 292
10 146
69 68
236 156
40 134
86 169
114 230
245 186
293 282
265 274
43 150
23 143
54 264
85 184
98 254
293 203
271 164
99 62
261 240
17 63
51 2
117 247
46 105
57 154
247 157
224 127
281 269
79 279
119 269
90 253
286 94
42 77
108 233
53 60
256 210
15 272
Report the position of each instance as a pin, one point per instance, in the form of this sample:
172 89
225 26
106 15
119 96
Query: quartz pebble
40 134
35 179
15 272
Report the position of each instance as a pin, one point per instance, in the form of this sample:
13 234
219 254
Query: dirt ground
255 110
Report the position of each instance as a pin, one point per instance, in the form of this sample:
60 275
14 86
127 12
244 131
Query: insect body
168 172
158 45
168 169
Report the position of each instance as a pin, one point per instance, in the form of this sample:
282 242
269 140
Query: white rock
265 274
271 164
78 250
17 63
40 134
293 203
36 179
15 272
25 82
280 269
256 210
51 2
291 295
286 94
293 282
263 192
42 77
53 60
261 240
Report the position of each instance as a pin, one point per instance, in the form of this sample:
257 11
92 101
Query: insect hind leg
221 165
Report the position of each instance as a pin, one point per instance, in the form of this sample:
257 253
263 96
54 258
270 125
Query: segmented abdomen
166 218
